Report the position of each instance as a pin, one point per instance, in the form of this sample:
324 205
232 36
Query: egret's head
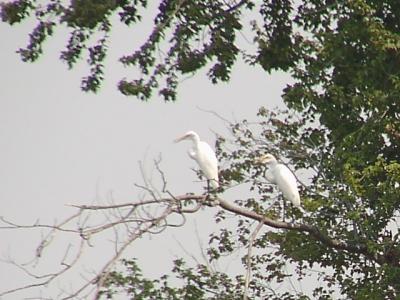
190 135
266 159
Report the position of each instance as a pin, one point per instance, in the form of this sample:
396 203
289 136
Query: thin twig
248 260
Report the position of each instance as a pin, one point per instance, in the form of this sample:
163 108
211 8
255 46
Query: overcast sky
61 146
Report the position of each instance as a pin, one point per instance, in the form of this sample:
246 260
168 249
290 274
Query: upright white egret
205 157
280 175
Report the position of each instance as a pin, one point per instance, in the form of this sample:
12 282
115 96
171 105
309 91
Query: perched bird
205 157
280 175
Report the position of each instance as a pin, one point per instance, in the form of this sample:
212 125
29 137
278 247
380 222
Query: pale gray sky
61 146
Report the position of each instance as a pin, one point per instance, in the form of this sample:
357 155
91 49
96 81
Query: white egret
205 157
280 175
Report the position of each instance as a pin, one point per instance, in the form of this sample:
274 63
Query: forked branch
129 221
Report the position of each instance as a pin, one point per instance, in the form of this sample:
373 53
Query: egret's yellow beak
261 159
177 140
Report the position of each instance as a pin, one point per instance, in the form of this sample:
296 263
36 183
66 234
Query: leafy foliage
338 202
335 46
199 283
359 207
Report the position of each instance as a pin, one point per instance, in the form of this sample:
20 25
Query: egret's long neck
273 163
196 140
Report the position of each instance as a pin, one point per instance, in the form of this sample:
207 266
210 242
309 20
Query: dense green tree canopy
342 125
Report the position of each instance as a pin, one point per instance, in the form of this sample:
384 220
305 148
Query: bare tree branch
250 247
130 227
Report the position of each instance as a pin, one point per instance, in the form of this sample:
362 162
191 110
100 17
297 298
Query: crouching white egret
281 175
205 157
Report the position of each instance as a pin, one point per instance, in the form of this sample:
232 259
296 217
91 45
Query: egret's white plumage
280 175
204 155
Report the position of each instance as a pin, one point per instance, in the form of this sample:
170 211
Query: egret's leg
291 207
207 198
210 198
284 209
179 206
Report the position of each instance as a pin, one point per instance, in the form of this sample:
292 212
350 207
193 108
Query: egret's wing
208 163
287 183
269 175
